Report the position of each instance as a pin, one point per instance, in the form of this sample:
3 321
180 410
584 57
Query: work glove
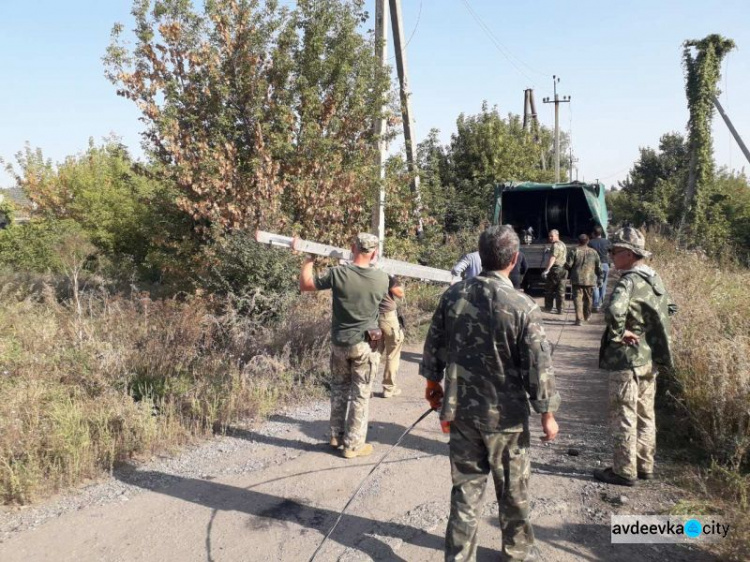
445 426
434 394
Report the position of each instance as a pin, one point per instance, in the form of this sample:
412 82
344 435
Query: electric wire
361 484
502 49
413 31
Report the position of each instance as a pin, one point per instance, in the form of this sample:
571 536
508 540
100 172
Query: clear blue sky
620 62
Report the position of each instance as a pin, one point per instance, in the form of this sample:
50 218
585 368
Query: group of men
587 266
487 361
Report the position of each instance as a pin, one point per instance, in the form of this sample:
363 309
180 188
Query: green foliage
41 245
259 279
7 212
260 115
702 73
459 179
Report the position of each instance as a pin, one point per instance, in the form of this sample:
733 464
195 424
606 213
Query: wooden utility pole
557 101
381 51
403 78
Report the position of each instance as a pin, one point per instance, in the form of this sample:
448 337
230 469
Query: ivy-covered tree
261 115
702 61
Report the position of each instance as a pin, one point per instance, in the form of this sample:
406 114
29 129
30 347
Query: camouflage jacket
488 340
559 251
585 266
639 303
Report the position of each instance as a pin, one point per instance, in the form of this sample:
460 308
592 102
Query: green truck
533 209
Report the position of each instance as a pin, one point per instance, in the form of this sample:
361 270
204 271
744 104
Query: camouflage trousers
353 369
554 288
393 340
582 298
474 454
632 420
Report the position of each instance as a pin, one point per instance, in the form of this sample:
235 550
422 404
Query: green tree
102 190
261 116
459 179
650 191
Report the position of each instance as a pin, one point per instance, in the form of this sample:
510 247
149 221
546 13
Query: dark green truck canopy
572 208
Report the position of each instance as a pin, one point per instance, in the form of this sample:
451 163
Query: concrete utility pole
557 101
572 160
403 77
732 130
381 51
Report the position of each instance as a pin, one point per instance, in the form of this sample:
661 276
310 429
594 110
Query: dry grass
711 381
128 376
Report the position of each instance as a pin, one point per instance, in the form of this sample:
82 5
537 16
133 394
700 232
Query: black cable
374 468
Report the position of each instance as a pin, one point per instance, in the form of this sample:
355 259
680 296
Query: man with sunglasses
636 340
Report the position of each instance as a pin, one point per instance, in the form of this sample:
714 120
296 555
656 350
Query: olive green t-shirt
357 292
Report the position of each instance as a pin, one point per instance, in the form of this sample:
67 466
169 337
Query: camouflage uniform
353 369
554 289
488 340
393 339
585 273
641 304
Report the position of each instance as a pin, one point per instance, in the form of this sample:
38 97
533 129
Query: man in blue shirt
601 245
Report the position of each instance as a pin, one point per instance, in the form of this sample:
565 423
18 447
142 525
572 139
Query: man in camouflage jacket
636 340
585 273
555 274
487 340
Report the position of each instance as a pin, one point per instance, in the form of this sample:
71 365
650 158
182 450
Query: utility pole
403 77
381 51
535 128
732 130
557 101
572 160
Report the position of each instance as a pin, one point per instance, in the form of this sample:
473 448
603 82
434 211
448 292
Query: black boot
608 476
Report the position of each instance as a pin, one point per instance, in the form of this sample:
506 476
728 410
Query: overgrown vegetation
83 388
709 389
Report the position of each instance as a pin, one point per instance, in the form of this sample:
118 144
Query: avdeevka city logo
693 528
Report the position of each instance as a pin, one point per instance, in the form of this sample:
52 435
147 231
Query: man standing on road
393 336
488 341
585 274
601 245
636 339
357 290
555 274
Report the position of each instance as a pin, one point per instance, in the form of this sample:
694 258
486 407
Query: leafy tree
261 116
459 179
100 189
652 185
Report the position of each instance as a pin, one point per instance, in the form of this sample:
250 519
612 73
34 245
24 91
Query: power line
502 49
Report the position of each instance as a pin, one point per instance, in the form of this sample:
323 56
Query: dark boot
645 475
609 477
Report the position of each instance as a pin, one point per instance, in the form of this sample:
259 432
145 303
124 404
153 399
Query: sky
619 62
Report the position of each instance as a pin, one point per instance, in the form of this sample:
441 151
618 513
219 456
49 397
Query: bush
38 246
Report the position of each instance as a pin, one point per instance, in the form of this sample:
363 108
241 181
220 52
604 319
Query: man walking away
555 273
636 340
585 274
602 246
487 340
357 290
393 336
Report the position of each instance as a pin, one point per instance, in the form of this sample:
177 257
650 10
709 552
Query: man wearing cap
487 342
555 274
357 291
635 341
